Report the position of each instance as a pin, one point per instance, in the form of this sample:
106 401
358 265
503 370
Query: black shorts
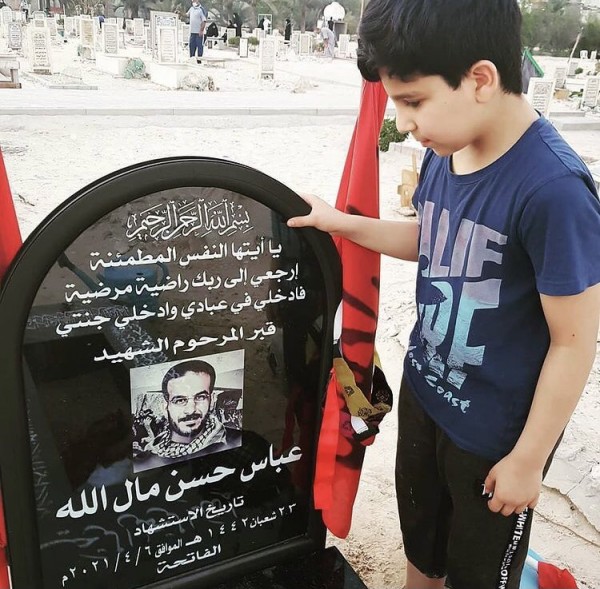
446 524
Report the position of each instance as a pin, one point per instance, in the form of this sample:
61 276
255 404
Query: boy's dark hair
441 37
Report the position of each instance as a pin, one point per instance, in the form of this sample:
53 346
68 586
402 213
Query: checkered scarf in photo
212 433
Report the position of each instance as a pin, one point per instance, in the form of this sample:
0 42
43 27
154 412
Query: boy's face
437 116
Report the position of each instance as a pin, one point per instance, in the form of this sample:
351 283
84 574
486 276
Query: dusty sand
50 158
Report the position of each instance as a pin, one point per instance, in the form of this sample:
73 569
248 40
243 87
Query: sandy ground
50 158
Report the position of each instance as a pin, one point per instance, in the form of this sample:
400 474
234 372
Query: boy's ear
485 79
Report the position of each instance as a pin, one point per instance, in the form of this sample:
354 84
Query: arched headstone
130 464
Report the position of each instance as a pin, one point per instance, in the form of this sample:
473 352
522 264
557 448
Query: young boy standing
508 293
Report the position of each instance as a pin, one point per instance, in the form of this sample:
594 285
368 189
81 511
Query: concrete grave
590 92
161 19
573 65
138 28
560 75
110 38
344 45
167 45
9 67
88 38
540 93
305 46
295 42
15 36
184 36
583 54
51 24
594 55
39 50
90 361
243 48
69 25
230 35
266 57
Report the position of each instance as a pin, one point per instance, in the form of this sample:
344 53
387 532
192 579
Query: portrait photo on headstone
186 409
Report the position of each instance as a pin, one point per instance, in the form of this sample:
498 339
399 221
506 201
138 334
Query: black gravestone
165 344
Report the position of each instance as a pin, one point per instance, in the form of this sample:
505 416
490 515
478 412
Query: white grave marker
594 55
305 45
165 20
540 93
243 50
185 34
572 67
167 44
69 26
344 41
88 38
15 36
110 38
560 75
39 43
266 58
590 92
51 24
230 35
583 54
295 41
138 28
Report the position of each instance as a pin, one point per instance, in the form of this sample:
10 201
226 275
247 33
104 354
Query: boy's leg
423 502
486 550
192 44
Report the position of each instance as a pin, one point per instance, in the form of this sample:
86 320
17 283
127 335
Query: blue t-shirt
489 243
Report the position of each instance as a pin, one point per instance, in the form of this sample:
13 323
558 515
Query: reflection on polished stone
324 569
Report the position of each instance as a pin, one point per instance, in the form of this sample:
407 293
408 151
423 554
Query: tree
553 28
590 38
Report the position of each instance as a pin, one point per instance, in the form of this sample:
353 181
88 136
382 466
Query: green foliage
553 28
590 37
233 42
390 134
253 41
135 68
578 70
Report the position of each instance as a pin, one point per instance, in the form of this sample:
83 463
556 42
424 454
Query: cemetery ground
49 158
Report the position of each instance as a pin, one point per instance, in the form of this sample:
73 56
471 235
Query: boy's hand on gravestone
515 485
323 217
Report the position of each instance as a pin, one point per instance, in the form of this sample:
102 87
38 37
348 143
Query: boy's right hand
323 216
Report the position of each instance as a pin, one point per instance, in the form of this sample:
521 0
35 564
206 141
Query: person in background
329 41
507 286
287 32
197 18
237 23
212 30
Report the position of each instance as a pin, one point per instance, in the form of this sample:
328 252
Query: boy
508 246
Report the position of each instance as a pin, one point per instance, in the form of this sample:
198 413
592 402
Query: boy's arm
392 238
573 325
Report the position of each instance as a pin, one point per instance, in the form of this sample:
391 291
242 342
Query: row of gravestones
541 90
165 348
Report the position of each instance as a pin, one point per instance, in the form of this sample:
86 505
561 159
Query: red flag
551 577
10 236
340 455
10 241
